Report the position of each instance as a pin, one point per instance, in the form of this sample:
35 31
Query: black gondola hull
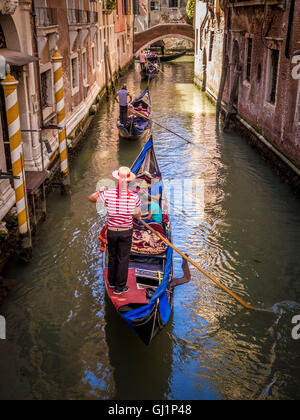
166 58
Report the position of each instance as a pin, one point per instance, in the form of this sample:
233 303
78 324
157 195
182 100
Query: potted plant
111 5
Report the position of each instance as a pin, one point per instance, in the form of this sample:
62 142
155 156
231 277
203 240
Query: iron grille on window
79 16
44 83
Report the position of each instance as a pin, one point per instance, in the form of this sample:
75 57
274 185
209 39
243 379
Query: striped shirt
120 209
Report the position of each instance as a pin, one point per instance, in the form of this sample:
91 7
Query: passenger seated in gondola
142 111
155 213
156 187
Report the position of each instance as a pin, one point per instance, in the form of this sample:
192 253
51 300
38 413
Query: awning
16 58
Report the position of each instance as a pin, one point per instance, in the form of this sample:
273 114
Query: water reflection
140 372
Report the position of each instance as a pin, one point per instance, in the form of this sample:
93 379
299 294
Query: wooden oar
232 294
165 128
157 67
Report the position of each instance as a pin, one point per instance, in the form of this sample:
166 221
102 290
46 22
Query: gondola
137 127
147 307
172 57
152 68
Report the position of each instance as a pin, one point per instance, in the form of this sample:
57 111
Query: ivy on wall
190 11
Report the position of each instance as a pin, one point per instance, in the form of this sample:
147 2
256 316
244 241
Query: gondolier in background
162 47
122 98
122 205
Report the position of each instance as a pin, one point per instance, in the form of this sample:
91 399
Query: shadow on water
140 372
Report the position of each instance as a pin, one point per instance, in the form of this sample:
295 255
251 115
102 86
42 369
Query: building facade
92 41
260 43
209 22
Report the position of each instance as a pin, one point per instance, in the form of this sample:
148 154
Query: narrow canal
64 339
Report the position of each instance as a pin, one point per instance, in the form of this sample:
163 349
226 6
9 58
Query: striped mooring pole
57 60
10 85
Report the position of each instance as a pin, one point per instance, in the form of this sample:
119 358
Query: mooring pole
57 60
10 85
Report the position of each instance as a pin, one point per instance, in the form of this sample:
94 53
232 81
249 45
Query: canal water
64 340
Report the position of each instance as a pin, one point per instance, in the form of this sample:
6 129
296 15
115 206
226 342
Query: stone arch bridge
158 32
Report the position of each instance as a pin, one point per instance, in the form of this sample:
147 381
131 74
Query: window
84 66
259 73
93 57
272 76
211 45
136 7
124 44
154 5
2 39
101 48
249 59
71 12
75 75
174 4
97 47
47 90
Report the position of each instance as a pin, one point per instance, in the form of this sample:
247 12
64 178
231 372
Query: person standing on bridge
122 98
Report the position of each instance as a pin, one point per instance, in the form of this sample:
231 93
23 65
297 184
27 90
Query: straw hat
124 173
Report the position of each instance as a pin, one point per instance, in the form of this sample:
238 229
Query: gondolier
121 205
122 98
142 58
139 123
148 305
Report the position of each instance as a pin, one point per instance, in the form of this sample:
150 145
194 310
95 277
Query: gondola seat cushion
146 243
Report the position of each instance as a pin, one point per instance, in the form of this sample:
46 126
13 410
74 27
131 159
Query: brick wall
268 28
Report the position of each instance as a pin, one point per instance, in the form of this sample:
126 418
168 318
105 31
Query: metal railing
46 17
81 17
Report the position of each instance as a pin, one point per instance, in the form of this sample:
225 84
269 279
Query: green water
65 340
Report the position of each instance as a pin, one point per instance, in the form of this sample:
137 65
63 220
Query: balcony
46 17
81 17
251 3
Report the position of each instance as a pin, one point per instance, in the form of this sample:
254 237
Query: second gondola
138 125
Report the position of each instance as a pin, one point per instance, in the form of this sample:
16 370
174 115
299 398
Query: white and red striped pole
57 60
